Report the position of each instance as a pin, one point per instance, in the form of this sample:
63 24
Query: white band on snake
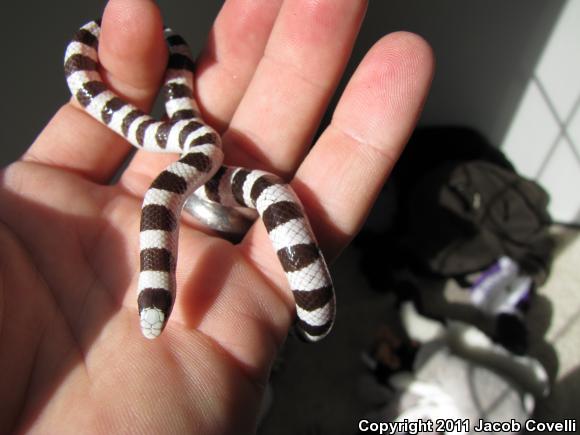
198 172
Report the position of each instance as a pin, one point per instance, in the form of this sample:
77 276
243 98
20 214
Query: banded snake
198 172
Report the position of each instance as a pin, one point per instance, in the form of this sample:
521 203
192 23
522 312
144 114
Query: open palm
72 358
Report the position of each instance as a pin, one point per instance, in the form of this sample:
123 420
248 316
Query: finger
374 118
303 61
342 175
132 55
224 69
228 62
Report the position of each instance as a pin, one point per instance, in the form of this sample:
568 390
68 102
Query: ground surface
316 389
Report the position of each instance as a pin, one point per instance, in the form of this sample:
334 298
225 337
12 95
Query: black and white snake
198 172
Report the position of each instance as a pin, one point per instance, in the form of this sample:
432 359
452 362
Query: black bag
463 215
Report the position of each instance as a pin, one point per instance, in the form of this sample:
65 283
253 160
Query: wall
544 136
487 53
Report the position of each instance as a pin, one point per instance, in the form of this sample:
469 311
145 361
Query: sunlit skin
72 356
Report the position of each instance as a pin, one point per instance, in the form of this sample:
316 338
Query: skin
72 356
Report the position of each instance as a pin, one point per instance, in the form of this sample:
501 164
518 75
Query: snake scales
199 172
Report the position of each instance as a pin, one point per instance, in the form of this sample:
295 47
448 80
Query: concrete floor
560 321
316 389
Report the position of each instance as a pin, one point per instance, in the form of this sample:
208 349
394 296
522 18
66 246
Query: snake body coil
198 172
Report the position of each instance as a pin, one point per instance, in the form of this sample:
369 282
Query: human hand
72 356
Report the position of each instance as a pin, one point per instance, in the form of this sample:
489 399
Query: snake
197 171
